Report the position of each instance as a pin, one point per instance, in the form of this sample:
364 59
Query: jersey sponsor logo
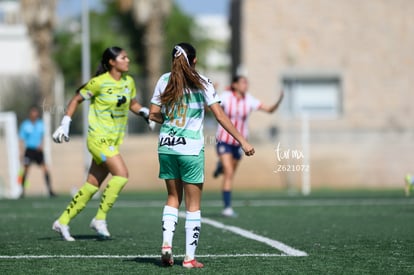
121 100
172 140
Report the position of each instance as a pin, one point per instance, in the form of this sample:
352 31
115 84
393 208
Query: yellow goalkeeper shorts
101 149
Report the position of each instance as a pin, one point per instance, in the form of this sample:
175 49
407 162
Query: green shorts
101 150
189 169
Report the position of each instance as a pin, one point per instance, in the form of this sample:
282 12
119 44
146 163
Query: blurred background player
178 104
112 94
237 103
31 134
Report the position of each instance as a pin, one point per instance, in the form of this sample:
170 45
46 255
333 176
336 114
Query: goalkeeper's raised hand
62 132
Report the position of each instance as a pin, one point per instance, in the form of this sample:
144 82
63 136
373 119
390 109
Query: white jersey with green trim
182 130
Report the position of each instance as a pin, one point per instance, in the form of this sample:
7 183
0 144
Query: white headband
179 51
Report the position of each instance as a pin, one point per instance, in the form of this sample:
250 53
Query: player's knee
229 173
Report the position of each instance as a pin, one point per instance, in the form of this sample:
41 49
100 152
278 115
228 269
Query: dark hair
236 79
34 107
183 74
110 53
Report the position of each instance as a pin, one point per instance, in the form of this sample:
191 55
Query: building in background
18 68
218 61
348 66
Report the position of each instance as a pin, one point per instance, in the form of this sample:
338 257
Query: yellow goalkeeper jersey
109 107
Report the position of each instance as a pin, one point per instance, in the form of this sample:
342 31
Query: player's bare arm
73 104
155 114
135 107
223 119
274 107
139 110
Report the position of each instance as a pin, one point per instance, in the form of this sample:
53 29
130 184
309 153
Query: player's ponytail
104 66
183 76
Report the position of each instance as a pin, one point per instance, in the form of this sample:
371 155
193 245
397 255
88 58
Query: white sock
169 220
192 233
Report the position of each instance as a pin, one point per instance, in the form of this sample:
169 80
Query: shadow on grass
78 238
146 260
153 261
91 237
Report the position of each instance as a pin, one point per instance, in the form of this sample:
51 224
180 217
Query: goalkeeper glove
144 112
62 132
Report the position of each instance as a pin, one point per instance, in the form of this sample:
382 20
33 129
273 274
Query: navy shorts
224 148
33 155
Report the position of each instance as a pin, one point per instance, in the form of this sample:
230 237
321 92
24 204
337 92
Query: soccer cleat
166 256
100 227
192 264
63 230
229 212
408 185
219 170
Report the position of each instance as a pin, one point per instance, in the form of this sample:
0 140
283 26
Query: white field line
212 203
287 250
14 257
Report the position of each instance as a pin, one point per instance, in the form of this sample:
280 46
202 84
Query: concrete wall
368 44
140 155
19 65
347 163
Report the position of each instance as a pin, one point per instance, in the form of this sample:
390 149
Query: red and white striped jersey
238 110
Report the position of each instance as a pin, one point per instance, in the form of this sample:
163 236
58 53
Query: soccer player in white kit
178 104
237 104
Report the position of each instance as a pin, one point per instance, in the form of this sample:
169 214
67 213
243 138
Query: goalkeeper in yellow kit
112 94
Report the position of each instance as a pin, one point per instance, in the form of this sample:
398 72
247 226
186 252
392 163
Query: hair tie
179 51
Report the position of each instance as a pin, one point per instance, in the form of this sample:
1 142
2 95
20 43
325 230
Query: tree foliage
110 27
180 27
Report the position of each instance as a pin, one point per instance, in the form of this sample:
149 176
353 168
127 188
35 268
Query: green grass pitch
328 232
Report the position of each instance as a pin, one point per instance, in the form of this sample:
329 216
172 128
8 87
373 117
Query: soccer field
356 232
